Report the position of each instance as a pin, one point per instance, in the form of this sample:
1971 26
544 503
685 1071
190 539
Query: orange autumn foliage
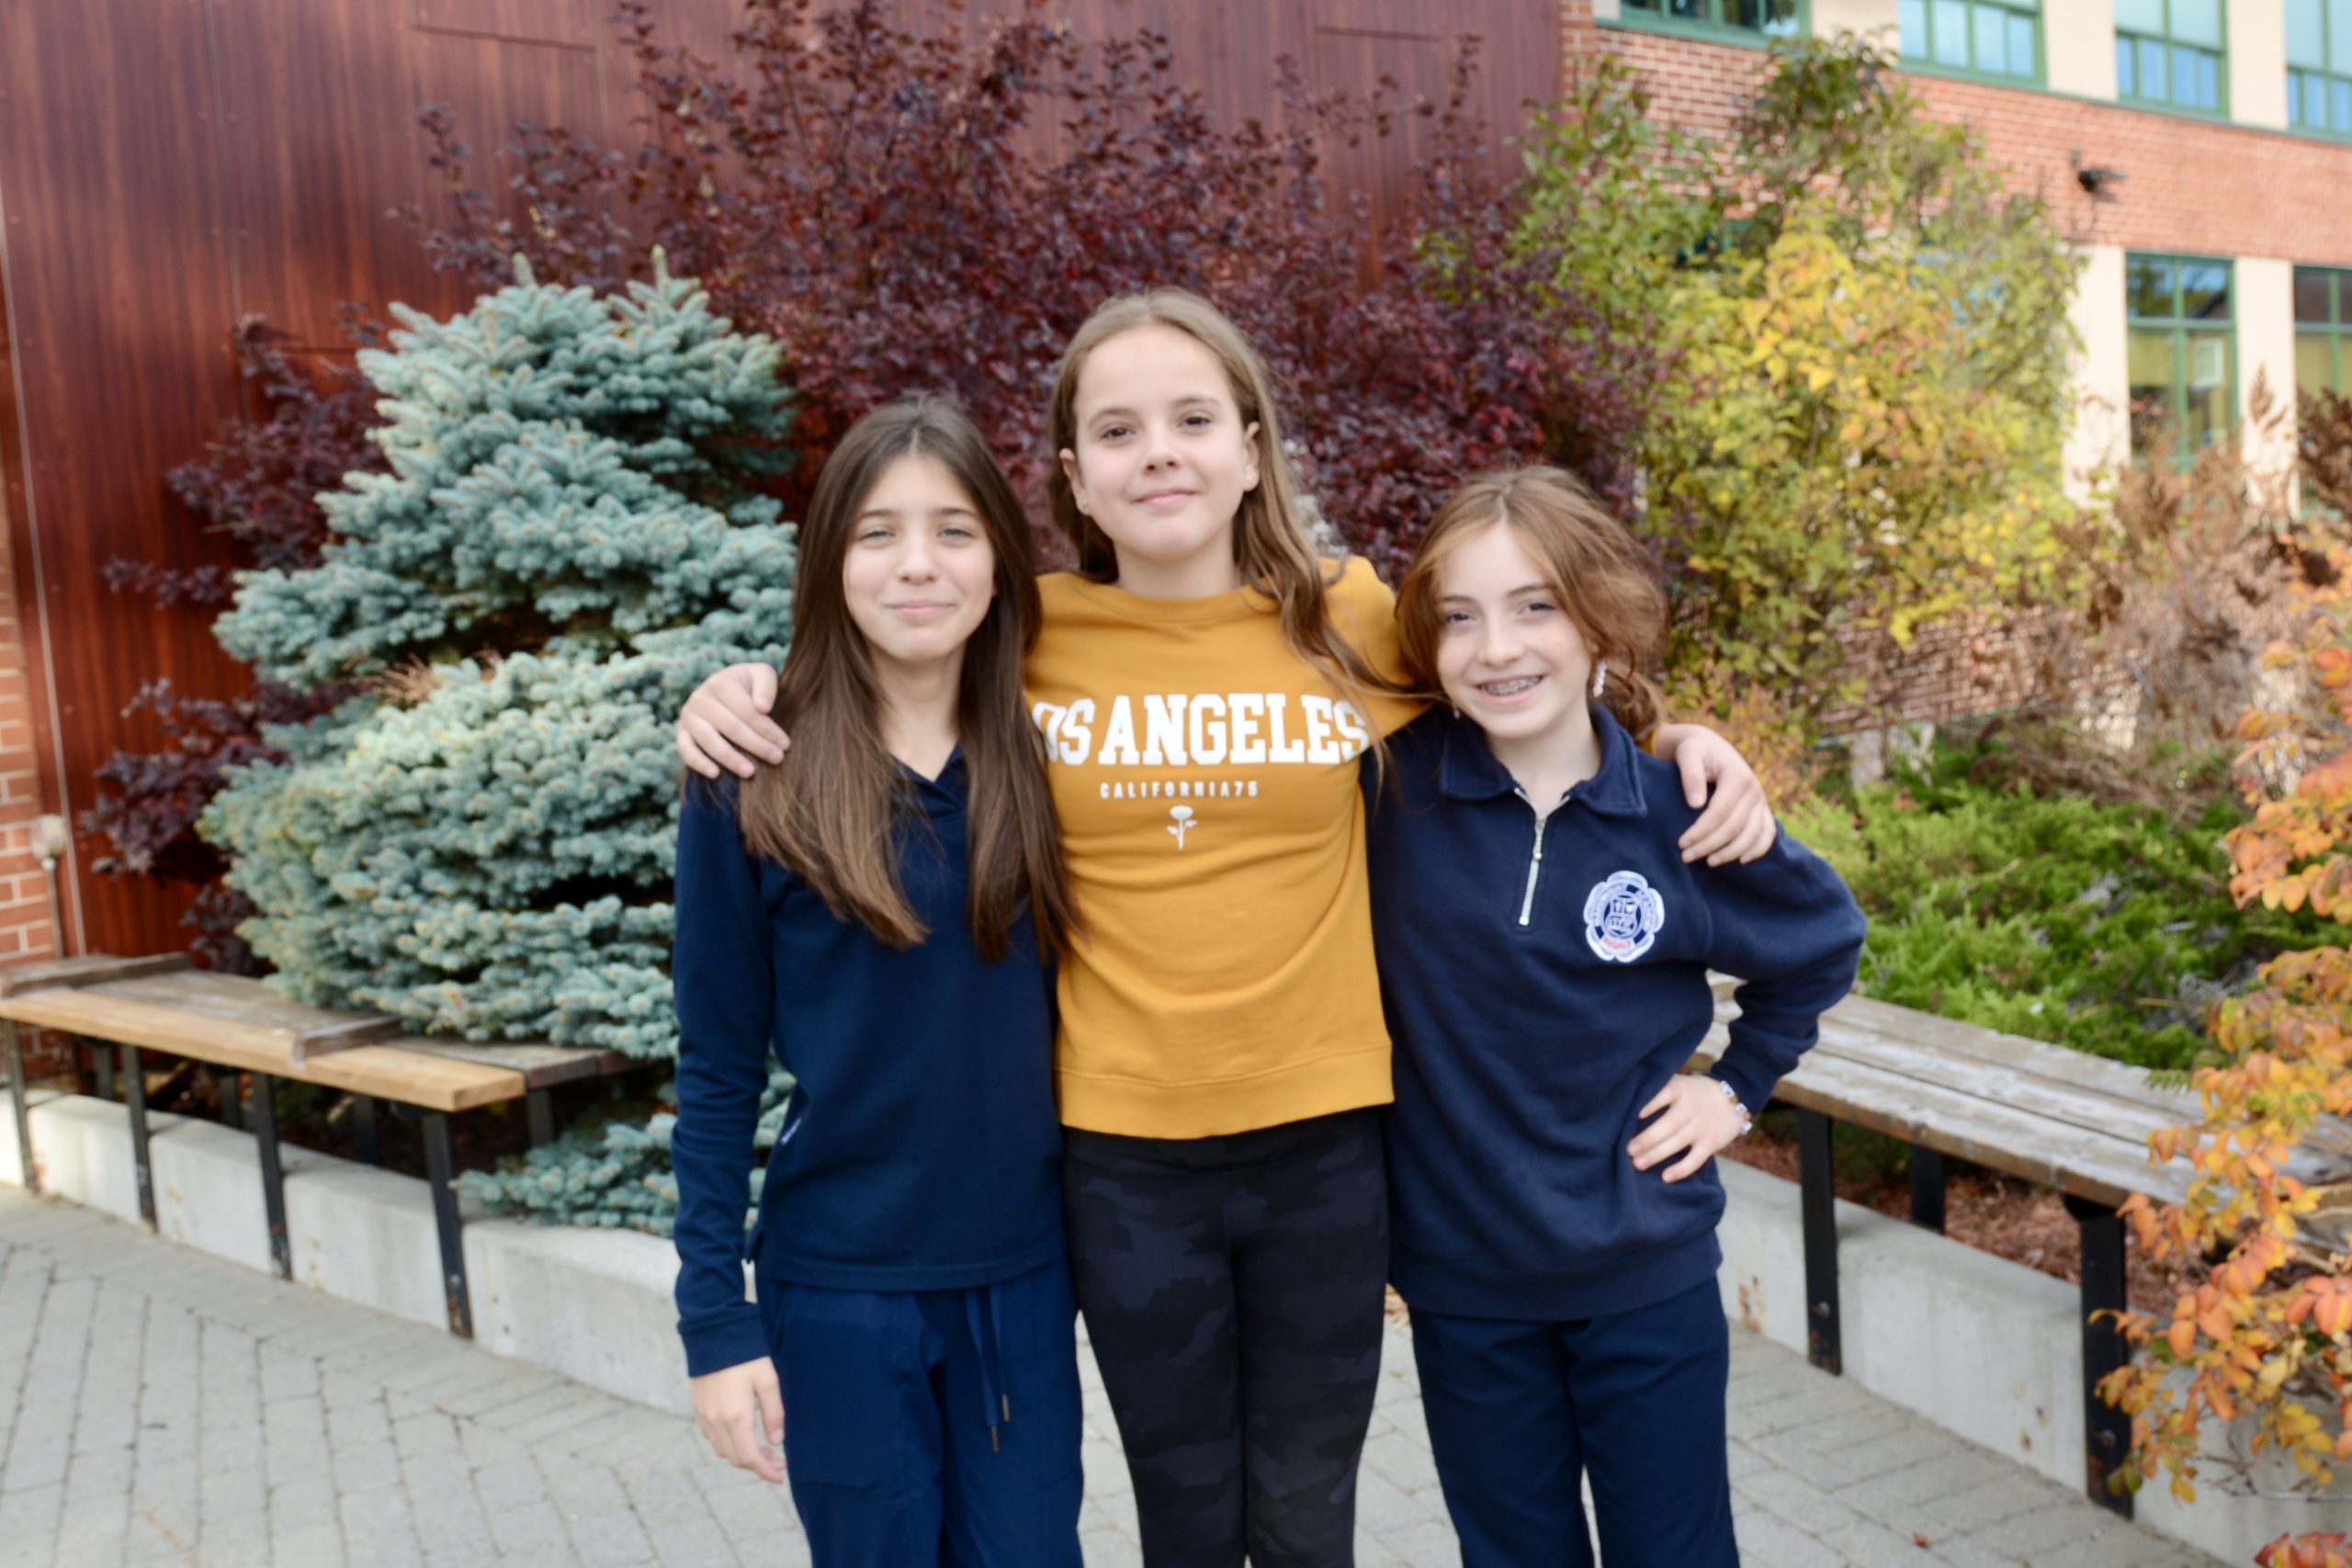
2267 1336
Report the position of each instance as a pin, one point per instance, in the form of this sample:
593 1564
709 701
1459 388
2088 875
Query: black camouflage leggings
1232 1289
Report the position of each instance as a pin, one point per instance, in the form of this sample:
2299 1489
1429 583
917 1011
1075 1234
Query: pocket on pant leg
841 1358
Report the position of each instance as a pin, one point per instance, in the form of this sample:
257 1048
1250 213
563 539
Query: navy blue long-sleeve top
920 1149
1545 976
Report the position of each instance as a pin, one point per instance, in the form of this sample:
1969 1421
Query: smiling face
1161 460
1507 654
919 573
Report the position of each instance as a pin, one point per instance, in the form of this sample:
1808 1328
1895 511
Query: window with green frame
2319 65
2323 330
2182 352
2171 53
1996 36
1767 19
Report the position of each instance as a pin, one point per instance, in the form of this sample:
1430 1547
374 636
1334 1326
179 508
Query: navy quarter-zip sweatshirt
1545 974
922 1149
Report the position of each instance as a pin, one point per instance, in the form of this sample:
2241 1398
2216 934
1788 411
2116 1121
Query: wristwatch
1746 1121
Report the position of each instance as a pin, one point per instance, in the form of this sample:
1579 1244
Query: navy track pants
927 1427
1233 1291
1520 1412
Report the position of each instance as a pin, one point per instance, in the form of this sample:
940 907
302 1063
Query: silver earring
1600 680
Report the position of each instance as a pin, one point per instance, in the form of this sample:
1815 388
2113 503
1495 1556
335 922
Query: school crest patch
1622 917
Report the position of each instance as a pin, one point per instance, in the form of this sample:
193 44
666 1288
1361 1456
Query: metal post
134 1096
363 1128
101 1066
14 1049
440 1173
1817 1196
540 1109
1928 1187
273 1175
2107 1431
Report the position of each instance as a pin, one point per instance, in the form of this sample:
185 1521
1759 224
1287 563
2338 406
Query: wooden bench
234 1025
2056 1117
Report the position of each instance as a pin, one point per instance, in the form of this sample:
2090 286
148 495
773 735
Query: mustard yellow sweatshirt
1206 779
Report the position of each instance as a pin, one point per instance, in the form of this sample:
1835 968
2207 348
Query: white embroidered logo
1183 823
1622 917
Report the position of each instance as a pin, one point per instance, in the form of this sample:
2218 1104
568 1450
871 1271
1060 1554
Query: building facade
2199 154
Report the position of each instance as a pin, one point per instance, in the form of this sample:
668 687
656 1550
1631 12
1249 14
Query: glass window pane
2206 414
2312 287
2140 15
1913 13
1785 20
2147 288
2021 50
1951 32
2296 114
2205 291
2198 21
2192 77
2306 38
2152 70
2314 362
2339 35
2153 369
1992 41
2340 91
2124 56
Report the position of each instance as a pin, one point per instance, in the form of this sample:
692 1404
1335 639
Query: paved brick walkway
161 1406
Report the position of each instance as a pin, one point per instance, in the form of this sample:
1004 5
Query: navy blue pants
1520 1412
932 1427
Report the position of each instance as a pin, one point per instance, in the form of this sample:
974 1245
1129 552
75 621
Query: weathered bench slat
225 1040
2045 1095
87 970
240 999
394 1072
1986 1133
539 1064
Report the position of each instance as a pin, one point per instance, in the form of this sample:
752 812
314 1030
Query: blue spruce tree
480 841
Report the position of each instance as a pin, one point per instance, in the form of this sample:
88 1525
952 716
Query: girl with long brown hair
880 910
1207 686
1544 953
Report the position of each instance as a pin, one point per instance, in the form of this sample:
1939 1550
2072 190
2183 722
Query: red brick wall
26 928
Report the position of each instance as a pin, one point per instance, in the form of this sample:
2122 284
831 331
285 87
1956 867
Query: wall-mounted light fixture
2098 180
50 838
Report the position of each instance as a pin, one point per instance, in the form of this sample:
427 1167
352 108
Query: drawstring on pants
980 1302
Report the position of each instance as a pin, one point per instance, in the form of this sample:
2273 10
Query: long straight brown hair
1272 545
1592 562
829 809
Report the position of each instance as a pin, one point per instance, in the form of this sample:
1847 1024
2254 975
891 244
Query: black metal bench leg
101 1066
540 1109
14 1050
363 1129
1928 1187
1817 1194
134 1098
440 1173
273 1175
2107 1431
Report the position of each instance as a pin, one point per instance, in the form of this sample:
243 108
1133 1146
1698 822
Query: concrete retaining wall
1984 1348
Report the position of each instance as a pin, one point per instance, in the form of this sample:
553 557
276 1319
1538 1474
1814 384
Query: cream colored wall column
2101 433
2264 303
2078 44
1875 19
2258 40
1606 10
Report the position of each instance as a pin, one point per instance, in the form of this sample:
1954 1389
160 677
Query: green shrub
2108 927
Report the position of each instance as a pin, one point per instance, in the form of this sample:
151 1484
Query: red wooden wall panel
168 166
